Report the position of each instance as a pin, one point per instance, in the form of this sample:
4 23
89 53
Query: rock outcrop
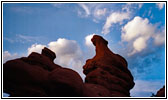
37 75
108 70
161 92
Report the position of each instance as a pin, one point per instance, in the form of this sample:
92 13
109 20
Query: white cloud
36 48
159 38
68 53
96 11
85 8
100 12
137 27
128 7
114 18
8 56
28 38
23 38
146 88
11 40
139 44
88 41
160 5
138 31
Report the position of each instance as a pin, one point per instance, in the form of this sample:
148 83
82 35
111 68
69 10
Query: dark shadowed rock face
95 90
38 76
161 92
108 70
48 53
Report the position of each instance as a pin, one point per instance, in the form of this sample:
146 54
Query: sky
136 31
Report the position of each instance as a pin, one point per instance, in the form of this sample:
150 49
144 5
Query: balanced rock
108 70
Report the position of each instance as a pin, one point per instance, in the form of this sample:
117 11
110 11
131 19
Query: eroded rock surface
108 70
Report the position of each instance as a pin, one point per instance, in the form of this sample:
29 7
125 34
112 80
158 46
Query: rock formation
108 70
161 92
37 75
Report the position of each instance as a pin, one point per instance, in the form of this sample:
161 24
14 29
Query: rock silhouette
108 69
161 92
37 75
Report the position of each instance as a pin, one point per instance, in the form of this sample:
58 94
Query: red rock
106 76
108 69
28 91
118 94
17 74
65 82
102 50
94 90
37 75
161 92
41 60
48 53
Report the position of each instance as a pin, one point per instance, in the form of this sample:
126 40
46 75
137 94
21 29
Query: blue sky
134 30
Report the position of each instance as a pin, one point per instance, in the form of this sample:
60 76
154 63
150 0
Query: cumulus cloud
88 41
116 17
68 53
139 44
160 5
144 88
138 31
35 48
8 56
137 27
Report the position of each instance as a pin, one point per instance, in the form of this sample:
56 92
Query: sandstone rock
108 69
41 60
19 76
65 82
50 54
37 75
161 92
94 90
